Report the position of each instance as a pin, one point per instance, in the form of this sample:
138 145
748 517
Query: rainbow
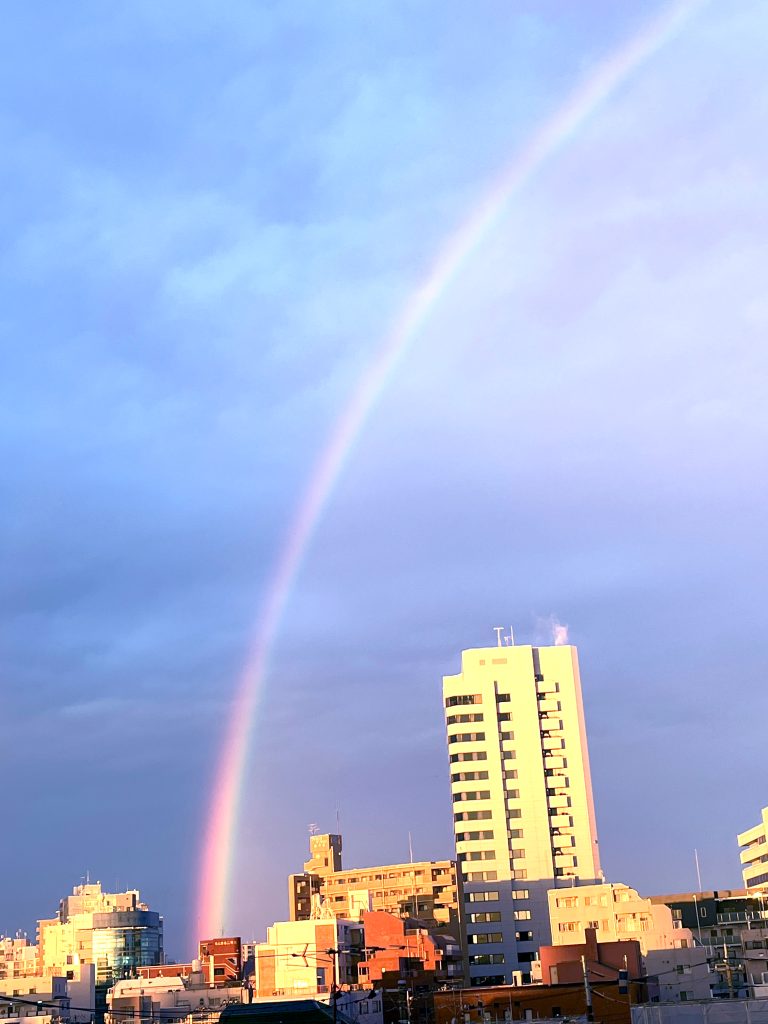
217 852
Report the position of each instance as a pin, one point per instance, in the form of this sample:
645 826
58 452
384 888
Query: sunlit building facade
427 890
754 854
614 912
523 811
115 931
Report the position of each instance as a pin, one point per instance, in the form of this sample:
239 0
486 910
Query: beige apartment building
18 957
524 819
616 912
426 890
754 854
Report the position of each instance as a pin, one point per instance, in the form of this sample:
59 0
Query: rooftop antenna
313 829
510 640
698 871
498 630
338 821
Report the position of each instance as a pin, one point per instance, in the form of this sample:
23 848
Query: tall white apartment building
524 819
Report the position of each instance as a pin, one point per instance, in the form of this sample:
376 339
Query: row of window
477 855
467 737
472 794
487 958
469 837
469 755
475 716
469 776
472 816
482 938
481 897
462 699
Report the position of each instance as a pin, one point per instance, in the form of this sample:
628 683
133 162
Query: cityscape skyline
211 224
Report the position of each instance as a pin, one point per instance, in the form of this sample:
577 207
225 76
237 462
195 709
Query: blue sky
210 220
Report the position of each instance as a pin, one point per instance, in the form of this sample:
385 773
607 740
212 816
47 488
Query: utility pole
587 990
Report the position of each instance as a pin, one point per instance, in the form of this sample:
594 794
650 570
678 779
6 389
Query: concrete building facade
18 957
524 819
428 890
615 912
754 854
296 959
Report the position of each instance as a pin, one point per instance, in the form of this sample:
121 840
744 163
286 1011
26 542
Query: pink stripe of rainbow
217 851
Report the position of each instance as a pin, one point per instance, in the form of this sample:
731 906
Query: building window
486 918
465 698
524 936
472 816
481 876
487 958
469 776
469 755
481 938
514 812
519 894
522 915
481 897
472 794
467 737
457 719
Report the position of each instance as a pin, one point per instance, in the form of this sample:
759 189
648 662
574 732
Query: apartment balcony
557 801
548 705
551 723
554 761
544 686
560 820
562 842
754 853
557 782
565 860
552 742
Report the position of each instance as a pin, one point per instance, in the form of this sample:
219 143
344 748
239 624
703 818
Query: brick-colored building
604 960
510 1002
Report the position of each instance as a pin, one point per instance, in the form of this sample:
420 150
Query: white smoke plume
559 633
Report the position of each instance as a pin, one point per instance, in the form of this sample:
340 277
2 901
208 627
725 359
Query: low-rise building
708 1011
564 964
49 996
497 1003
44 998
680 975
307 958
169 999
615 912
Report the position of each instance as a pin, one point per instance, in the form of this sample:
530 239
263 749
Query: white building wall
524 818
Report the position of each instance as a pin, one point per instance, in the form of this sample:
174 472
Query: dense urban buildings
522 925
754 854
115 931
427 890
524 819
